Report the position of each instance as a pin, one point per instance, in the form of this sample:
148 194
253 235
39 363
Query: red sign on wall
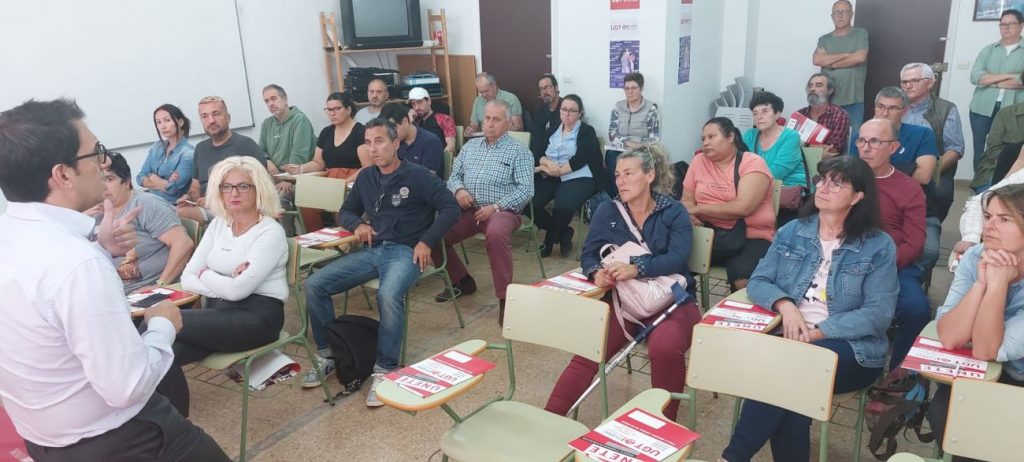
625 4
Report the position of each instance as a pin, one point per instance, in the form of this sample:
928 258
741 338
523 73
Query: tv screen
381 23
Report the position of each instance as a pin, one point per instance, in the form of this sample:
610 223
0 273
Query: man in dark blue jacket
400 210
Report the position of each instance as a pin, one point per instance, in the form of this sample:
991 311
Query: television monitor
381 23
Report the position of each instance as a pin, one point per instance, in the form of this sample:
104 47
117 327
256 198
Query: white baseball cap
418 93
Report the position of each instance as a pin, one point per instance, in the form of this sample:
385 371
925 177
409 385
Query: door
515 45
899 33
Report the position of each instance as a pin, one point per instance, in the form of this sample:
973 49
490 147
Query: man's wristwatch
497 208
161 283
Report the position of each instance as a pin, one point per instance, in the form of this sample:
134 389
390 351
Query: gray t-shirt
365 115
849 80
207 155
156 218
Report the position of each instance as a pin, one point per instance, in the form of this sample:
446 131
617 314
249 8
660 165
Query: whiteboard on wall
120 59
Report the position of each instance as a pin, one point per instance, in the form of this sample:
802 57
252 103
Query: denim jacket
1011 352
860 291
179 160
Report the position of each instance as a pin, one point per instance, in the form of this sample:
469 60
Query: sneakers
466 286
310 380
371 397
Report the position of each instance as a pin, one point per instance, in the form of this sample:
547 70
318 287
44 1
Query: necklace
243 229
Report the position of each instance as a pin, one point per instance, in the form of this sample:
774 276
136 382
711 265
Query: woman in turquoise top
984 310
167 172
566 175
778 145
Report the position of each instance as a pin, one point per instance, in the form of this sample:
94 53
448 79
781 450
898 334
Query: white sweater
264 246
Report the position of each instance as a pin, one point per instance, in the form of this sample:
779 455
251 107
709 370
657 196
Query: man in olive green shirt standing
996 75
287 138
843 54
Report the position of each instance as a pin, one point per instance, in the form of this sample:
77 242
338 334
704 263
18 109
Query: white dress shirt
220 252
72 365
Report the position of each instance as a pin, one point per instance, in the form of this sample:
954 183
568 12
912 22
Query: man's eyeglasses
909 82
830 185
883 108
101 154
1007 25
546 87
569 111
873 143
243 188
841 13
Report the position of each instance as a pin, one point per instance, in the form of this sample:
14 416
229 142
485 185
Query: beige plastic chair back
458 138
448 161
317 192
983 421
786 373
192 228
776 195
522 137
571 323
813 155
700 250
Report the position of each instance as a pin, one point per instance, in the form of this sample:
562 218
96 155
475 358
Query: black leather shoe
565 246
466 286
501 312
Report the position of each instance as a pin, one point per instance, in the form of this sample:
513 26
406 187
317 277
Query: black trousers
223 326
568 196
157 433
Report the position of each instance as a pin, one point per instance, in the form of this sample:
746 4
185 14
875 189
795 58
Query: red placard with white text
739 315
572 282
636 435
439 372
810 131
321 236
928 355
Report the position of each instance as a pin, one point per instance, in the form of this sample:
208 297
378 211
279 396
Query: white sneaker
371 397
311 380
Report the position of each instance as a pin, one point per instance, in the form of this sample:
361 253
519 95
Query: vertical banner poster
624 40
685 38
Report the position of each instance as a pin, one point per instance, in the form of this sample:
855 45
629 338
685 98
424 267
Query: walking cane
680 296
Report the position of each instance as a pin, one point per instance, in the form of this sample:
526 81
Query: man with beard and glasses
820 109
546 117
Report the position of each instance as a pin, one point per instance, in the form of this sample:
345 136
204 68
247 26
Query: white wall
965 38
580 61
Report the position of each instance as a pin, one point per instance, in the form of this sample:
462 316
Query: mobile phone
150 300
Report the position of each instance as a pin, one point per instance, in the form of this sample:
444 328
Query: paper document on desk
634 436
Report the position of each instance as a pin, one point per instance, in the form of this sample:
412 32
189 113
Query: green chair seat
218 361
511 431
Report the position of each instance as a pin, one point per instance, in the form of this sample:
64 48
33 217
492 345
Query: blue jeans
980 126
930 255
392 264
611 156
789 432
856 113
912 312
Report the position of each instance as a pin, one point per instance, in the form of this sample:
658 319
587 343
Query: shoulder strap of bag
629 222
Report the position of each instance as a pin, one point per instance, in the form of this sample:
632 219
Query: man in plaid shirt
492 180
820 89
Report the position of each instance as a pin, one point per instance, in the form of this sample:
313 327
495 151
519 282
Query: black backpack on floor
353 339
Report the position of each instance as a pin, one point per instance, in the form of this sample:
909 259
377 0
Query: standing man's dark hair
35 137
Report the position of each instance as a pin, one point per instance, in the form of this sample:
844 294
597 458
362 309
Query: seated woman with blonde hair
239 266
984 310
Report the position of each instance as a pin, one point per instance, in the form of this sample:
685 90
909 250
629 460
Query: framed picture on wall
989 10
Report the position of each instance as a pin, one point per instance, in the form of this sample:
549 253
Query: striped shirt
499 173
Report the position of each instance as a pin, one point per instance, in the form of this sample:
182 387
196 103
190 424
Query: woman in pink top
710 195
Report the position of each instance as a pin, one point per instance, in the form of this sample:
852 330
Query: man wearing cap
437 123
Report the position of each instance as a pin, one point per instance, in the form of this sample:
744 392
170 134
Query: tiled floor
288 423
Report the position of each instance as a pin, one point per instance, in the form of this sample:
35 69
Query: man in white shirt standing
78 380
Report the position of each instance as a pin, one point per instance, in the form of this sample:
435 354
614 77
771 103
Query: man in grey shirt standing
223 143
843 55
